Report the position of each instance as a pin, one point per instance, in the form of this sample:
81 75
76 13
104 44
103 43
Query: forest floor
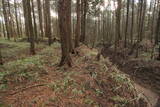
143 70
38 81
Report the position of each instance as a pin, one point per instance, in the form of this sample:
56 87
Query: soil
90 81
145 73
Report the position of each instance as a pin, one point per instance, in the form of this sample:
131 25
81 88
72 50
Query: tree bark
16 16
83 20
126 30
70 29
11 22
31 32
34 21
6 19
64 7
20 24
1 60
48 21
40 18
3 27
25 11
153 20
157 35
132 24
78 25
118 24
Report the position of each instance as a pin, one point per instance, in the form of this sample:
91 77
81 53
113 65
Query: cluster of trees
86 21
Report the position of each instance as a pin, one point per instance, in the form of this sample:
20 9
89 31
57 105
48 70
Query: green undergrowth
30 68
16 50
89 83
94 85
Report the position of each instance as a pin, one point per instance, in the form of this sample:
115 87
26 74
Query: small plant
120 101
3 86
55 86
54 99
62 85
88 101
123 79
77 92
94 74
99 92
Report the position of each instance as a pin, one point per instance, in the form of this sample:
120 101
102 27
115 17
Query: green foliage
122 79
94 74
27 68
75 91
88 101
24 63
54 99
62 85
2 105
3 86
11 47
19 70
2 74
30 68
121 102
99 92
16 50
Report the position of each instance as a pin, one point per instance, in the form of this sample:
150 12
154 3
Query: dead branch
25 88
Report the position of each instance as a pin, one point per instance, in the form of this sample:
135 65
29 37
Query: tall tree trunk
84 4
64 7
20 24
16 16
118 24
3 27
6 19
157 35
47 21
143 21
103 28
140 20
11 22
40 18
31 32
132 24
25 11
1 60
0 29
149 15
78 25
95 33
34 21
70 31
126 30
153 20
139 26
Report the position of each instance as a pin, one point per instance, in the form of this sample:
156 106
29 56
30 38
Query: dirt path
151 96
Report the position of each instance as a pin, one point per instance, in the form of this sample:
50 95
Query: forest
79 53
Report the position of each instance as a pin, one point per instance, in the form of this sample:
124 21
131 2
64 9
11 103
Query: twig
23 89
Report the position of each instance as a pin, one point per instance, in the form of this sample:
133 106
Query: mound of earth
37 81
146 72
